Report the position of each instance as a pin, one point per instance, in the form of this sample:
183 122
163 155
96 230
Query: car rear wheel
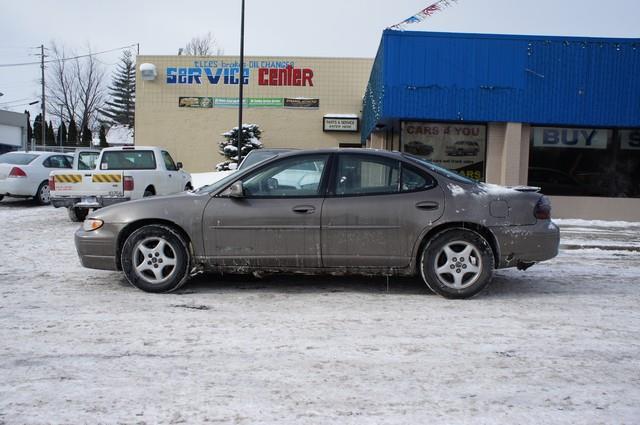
77 214
457 263
155 258
43 196
1 197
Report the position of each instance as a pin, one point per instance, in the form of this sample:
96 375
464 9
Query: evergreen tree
62 134
103 137
37 129
50 135
229 147
121 108
29 129
86 136
72 134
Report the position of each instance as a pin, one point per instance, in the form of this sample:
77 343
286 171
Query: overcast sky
342 28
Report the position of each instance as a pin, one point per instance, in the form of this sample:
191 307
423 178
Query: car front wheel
457 263
77 214
155 258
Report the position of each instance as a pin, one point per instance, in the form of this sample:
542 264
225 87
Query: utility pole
241 83
43 126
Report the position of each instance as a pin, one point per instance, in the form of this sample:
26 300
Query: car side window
289 177
413 180
366 175
168 161
56 161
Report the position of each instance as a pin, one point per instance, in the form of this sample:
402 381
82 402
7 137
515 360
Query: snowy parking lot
559 343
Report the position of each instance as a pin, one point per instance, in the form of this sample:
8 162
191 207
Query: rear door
276 223
377 208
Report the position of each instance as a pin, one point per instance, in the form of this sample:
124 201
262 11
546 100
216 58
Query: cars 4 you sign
457 147
582 138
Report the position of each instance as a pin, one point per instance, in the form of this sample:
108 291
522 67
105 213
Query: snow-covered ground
559 343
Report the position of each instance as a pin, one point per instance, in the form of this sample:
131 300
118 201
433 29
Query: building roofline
258 56
435 34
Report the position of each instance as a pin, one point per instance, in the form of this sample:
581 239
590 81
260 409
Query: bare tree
75 86
205 45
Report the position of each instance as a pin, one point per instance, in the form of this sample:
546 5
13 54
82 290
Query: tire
148 192
43 196
1 197
188 187
468 253
151 269
77 215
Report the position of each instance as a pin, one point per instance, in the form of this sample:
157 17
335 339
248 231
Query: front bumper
82 202
527 244
98 249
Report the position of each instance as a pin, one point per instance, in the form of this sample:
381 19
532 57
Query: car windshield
17 158
256 156
217 185
440 170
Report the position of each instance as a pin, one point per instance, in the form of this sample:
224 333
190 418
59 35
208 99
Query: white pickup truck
121 174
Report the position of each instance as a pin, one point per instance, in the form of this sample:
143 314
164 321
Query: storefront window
585 161
456 147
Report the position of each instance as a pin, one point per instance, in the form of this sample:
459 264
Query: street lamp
241 84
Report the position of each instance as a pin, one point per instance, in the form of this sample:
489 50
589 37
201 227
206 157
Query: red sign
288 76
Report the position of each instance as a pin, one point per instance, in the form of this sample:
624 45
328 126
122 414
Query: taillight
542 210
17 172
52 183
128 182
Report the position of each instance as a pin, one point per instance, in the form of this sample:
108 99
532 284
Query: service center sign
214 72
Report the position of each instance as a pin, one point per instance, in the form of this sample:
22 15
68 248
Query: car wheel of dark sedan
155 258
457 263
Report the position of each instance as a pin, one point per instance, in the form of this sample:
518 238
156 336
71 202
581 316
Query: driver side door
276 224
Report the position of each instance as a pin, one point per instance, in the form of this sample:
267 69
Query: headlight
92 224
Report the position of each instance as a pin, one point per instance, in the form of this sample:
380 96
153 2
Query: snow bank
120 135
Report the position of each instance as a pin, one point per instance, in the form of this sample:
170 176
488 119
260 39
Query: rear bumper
17 187
98 249
77 201
527 244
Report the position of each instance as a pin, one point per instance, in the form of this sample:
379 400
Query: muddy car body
369 212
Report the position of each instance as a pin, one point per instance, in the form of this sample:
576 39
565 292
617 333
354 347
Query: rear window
128 160
17 158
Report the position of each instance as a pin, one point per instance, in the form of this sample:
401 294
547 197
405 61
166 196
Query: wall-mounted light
148 71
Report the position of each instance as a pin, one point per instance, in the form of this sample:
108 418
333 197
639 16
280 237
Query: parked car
462 147
26 174
418 148
371 212
123 174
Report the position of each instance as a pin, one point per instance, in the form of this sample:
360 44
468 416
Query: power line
6 65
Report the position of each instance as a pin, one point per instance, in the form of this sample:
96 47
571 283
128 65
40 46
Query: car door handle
427 205
304 209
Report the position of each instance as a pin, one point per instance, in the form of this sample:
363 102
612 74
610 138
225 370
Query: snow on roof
120 135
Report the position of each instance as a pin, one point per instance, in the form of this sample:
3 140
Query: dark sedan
335 211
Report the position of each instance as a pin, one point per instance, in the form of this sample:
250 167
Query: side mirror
236 190
179 165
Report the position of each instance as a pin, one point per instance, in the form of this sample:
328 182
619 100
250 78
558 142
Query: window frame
332 184
153 155
164 160
321 188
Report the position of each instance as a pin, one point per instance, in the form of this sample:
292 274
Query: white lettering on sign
630 139
340 124
583 138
